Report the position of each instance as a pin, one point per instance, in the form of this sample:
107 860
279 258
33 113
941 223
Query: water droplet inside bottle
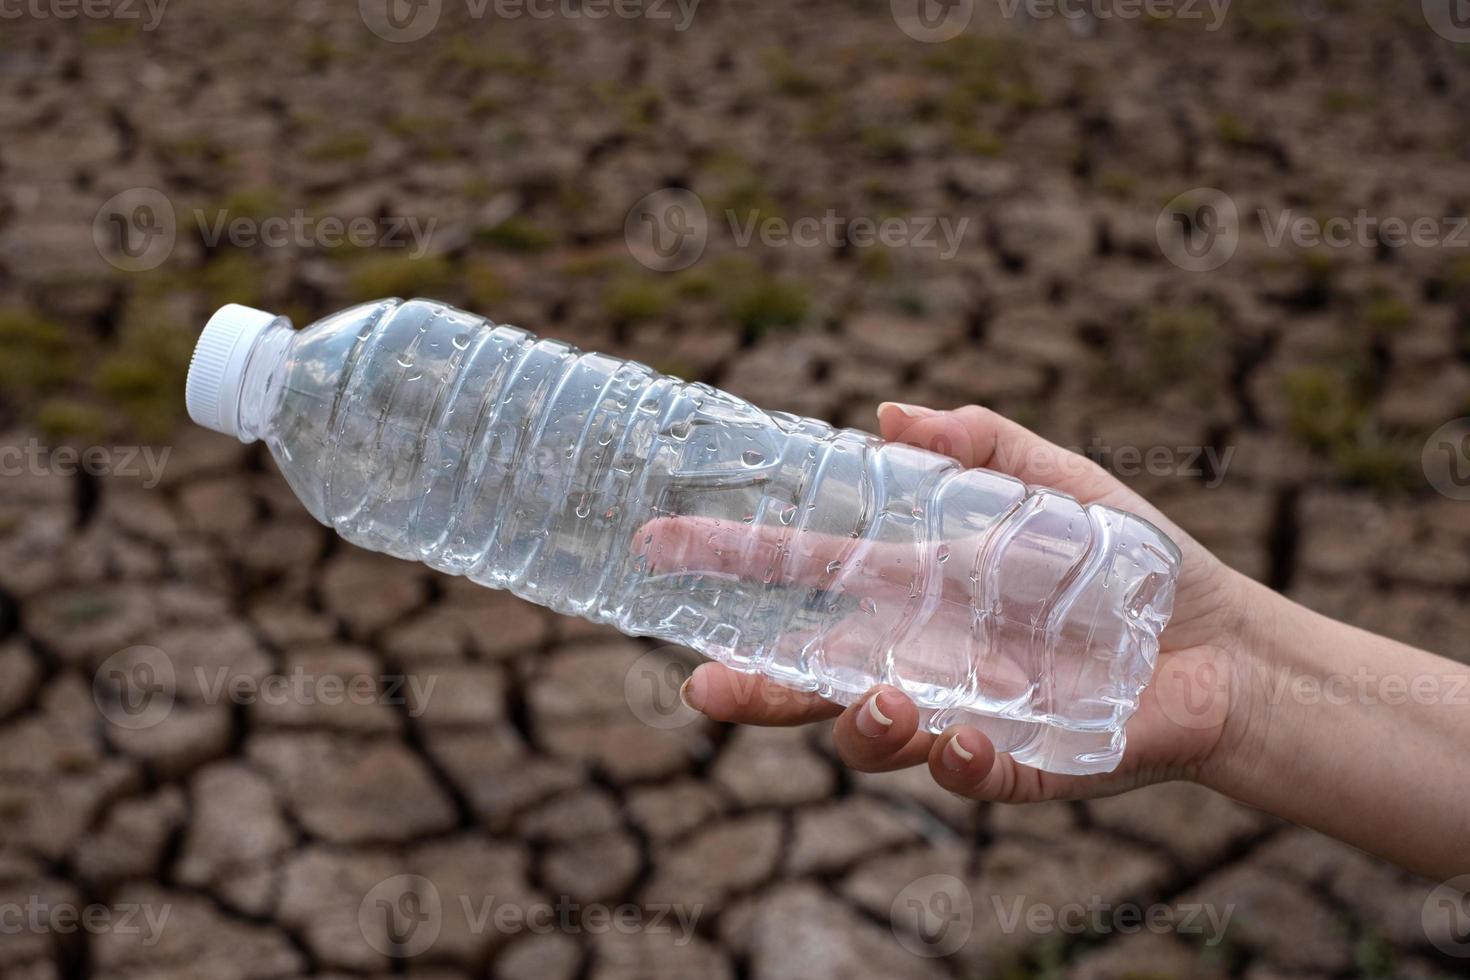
753 457
942 554
461 342
868 606
832 566
787 513
748 518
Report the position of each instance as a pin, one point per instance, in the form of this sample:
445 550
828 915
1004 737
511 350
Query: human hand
1182 717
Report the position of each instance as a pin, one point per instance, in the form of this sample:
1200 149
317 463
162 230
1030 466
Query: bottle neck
261 386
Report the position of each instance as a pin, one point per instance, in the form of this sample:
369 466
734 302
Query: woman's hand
1183 715
1255 696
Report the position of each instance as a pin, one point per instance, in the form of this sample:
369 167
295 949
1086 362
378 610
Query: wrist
1338 729
1254 661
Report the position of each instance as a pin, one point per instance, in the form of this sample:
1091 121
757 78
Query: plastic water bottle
823 558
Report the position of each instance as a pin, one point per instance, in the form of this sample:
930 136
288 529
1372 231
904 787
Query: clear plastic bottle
823 558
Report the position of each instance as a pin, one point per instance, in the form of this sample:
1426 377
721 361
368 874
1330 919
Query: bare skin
1358 736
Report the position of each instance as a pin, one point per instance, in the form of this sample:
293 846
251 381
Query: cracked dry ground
528 774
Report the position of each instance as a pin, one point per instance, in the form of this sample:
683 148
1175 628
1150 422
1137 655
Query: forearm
1356 735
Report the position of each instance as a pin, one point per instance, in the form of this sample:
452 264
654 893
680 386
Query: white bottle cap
217 370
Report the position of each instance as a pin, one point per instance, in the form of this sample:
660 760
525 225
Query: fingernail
691 692
955 756
909 411
871 721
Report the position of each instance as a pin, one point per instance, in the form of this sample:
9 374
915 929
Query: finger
723 694
711 546
881 733
774 554
964 761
